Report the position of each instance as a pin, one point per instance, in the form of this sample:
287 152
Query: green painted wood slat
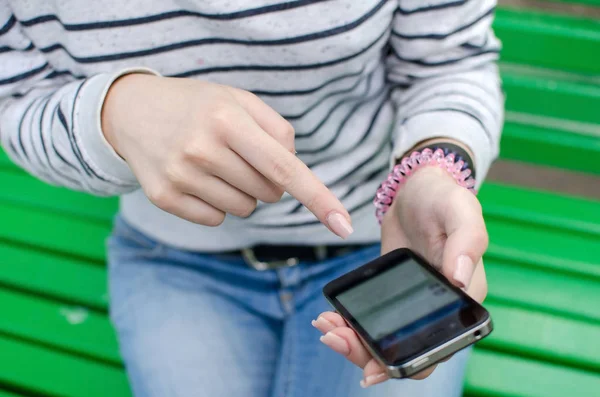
7 394
492 374
544 336
48 274
25 190
551 147
73 328
590 2
549 40
557 99
50 373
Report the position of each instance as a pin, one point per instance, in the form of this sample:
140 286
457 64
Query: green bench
543 263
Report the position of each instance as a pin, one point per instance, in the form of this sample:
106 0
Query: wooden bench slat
542 208
553 98
51 231
550 146
5 162
62 278
568 295
590 2
545 336
72 328
7 394
48 372
549 40
23 189
496 374
543 247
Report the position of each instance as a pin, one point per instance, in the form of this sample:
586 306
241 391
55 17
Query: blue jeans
193 324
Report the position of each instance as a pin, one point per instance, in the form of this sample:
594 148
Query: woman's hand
440 220
201 150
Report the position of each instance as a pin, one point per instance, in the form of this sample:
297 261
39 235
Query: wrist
425 169
421 184
117 104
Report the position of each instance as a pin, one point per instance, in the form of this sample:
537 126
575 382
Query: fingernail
370 380
336 343
464 271
322 323
339 224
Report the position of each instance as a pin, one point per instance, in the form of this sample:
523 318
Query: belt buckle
253 262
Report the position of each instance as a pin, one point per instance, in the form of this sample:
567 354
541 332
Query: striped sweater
360 81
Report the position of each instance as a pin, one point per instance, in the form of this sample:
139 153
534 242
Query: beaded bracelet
409 164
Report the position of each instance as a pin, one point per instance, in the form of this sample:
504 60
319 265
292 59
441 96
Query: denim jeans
194 324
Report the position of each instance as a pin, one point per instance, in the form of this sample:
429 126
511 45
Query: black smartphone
408 315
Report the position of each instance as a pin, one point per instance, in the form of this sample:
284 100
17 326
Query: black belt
265 257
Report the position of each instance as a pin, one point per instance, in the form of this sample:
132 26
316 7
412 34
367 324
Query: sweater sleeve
50 119
446 81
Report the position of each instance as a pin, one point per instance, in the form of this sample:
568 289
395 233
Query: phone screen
405 308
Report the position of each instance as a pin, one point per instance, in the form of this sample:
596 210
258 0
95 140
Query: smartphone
408 315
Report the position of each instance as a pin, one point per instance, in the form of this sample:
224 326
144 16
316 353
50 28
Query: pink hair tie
408 165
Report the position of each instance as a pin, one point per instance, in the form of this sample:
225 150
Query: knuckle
481 238
161 197
284 134
288 130
246 209
175 174
282 173
213 219
192 149
272 195
247 95
199 156
221 116
205 161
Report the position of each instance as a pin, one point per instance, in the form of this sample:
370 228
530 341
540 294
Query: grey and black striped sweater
359 80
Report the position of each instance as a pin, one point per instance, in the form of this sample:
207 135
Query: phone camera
477 335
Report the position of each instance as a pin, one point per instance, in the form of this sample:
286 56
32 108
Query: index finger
281 167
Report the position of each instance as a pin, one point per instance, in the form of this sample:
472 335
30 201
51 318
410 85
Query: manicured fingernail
336 343
339 224
464 271
371 380
322 323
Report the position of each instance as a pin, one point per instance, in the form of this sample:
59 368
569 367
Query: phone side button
419 363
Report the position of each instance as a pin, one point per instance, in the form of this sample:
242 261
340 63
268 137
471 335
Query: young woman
237 133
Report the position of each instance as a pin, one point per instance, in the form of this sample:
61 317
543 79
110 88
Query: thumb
467 239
